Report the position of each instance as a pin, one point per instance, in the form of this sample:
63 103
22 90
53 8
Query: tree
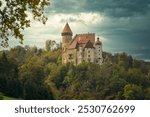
47 45
149 74
133 92
50 45
9 77
123 60
4 57
147 94
32 69
33 91
14 17
136 76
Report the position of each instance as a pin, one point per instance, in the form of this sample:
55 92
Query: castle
80 48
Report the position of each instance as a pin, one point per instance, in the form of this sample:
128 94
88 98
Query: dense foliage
14 17
32 73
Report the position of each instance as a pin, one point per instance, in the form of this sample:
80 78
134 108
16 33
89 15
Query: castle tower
98 51
66 35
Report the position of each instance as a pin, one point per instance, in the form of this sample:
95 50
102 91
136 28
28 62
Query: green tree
123 60
4 57
14 17
32 69
147 93
136 76
50 45
9 77
52 56
34 91
149 74
133 92
18 53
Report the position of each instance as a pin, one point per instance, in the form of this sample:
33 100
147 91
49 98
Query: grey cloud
120 8
69 20
116 8
67 6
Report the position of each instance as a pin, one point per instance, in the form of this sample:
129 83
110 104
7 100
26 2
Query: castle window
81 54
89 56
89 51
70 56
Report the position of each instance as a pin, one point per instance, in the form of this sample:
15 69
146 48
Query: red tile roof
84 38
73 45
67 29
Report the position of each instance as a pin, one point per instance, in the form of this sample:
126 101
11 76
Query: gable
89 45
84 38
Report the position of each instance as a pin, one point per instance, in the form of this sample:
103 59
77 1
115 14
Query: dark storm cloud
67 6
129 35
116 8
120 8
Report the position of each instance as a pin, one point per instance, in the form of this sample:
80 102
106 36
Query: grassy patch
8 98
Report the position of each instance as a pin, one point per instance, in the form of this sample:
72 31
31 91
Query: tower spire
67 30
66 35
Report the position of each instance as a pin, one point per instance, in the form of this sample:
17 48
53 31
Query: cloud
38 33
116 8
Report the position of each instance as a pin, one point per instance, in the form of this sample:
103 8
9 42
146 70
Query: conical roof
98 42
67 29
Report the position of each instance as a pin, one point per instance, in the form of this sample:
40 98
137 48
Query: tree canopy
14 17
35 73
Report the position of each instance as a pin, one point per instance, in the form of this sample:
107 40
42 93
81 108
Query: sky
122 25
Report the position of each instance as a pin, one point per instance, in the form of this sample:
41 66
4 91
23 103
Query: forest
30 73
